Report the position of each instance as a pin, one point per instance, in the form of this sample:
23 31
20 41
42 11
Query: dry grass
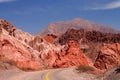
84 68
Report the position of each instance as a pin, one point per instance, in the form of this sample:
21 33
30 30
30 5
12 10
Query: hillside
58 28
93 48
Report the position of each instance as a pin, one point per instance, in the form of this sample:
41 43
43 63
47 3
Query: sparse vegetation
84 68
118 69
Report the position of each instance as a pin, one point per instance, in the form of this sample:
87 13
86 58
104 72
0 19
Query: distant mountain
61 27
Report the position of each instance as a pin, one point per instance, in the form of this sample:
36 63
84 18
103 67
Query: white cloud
108 6
3 1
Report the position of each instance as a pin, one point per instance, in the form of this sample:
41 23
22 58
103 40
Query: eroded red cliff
13 52
16 52
73 48
69 55
108 57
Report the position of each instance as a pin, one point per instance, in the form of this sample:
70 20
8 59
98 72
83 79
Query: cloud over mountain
108 6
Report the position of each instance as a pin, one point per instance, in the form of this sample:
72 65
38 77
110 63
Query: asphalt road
51 74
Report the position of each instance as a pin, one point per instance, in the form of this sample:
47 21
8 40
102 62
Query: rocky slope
14 50
55 55
17 33
102 48
34 52
84 36
61 56
73 48
58 28
109 56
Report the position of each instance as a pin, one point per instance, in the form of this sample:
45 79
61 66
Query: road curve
51 74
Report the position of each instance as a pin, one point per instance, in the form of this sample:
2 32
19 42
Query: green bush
84 68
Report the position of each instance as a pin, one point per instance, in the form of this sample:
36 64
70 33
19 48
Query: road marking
47 76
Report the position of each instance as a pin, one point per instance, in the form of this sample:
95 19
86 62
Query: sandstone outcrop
101 48
73 48
66 56
25 37
50 38
13 52
74 53
16 52
36 43
7 26
22 36
109 56
85 36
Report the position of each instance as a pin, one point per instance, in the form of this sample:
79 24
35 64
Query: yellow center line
47 76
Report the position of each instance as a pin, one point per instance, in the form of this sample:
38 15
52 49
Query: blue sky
34 15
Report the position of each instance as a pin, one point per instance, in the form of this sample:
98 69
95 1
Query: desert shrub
117 69
84 68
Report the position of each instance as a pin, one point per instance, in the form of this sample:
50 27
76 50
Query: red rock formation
17 33
50 38
89 36
104 56
14 49
7 26
13 52
70 55
109 56
36 43
33 52
22 36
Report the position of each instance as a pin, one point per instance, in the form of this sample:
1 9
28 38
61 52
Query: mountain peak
78 19
61 27
81 20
